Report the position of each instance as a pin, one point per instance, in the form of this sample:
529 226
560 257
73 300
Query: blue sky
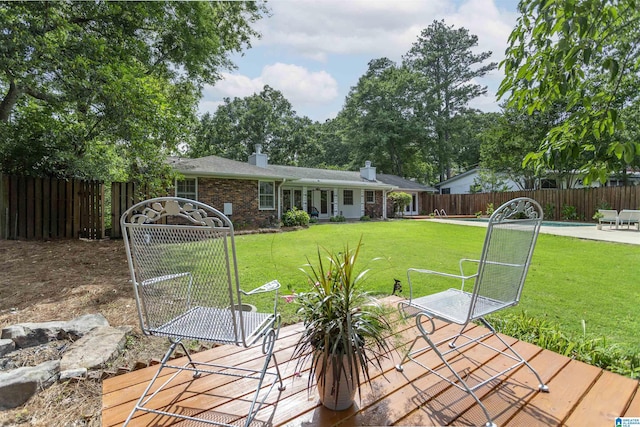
314 51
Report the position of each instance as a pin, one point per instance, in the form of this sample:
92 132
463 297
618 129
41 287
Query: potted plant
597 216
344 329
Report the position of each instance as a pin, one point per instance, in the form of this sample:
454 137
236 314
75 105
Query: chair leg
434 346
196 373
267 349
140 403
541 385
459 382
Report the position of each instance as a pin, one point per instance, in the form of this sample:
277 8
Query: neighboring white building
462 183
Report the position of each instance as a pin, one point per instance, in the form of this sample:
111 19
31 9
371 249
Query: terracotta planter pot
339 395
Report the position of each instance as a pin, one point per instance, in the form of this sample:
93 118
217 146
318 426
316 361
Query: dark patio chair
182 260
314 212
511 236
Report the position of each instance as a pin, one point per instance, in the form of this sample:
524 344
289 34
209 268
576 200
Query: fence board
45 208
585 200
123 196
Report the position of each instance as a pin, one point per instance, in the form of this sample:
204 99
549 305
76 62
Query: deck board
580 394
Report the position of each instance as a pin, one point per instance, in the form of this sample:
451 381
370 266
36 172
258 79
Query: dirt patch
61 280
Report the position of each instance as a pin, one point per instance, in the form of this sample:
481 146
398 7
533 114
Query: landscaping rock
18 385
71 374
32 334
80 326
95 349
6 346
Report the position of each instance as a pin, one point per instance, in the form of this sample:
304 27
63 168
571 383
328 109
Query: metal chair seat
453 305
196 324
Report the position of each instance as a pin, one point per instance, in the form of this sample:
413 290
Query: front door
324 202
412 208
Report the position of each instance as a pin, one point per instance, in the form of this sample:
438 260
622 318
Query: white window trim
344 198
273 195
195 196
373 193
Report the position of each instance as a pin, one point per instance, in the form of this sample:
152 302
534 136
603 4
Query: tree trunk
9 100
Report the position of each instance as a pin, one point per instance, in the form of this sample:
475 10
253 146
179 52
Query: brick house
255 194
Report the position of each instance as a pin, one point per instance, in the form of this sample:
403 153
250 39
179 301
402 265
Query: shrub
549 211
295 217
490 209
365 218
399 200
569 212
592 350
337 218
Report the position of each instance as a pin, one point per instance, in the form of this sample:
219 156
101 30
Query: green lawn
570 280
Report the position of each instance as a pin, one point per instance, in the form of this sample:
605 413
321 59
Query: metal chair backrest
181 255
511 237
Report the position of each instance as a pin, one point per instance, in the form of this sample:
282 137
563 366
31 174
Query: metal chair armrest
462 262
159 279
461 277
267 287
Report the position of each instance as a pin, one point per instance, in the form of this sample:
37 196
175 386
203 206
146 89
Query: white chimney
257 158
368 172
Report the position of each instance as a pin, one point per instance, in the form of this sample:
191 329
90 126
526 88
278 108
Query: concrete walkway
608 234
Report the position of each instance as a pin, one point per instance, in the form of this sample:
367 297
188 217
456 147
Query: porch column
335 202
384 204
304 199
362 202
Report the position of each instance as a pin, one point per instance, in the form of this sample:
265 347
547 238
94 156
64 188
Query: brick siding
243 195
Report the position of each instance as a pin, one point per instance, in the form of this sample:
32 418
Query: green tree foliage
469 128
585 54
489 181
380 120
83 84
326 145
240 123
514 135
442 57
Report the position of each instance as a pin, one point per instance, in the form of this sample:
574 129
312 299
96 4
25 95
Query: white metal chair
629 217
182 259
511 236
609 216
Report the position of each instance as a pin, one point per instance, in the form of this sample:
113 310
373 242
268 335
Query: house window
370 196
291 199
297 198
187 188
347 197
445 191
266 194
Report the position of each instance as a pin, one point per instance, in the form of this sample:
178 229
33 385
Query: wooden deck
580 394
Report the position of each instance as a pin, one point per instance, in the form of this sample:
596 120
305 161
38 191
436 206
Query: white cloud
483 19
341 37
299 85
316 29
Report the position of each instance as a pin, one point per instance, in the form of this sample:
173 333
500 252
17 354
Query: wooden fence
123 196
557 204
45 208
